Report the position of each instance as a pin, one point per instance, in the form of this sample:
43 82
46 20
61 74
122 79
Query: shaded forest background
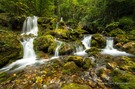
100 15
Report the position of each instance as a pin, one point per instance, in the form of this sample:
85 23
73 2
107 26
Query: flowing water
87 43
112 51
29 56
56 54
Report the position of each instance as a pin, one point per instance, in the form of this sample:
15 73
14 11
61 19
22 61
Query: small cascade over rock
29 56
112 51
56 54
87 43
30 26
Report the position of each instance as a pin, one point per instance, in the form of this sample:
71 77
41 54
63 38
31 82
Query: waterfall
112 51
109 43
56 54
57 25
30 26
29 56
87 43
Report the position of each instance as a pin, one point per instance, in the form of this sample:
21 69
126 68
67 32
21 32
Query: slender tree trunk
57 8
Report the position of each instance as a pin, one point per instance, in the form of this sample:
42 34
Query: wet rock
111 65
93 51
66 49
98 41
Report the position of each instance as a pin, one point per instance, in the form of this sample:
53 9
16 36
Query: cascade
112 51
57 25
29 56
87 43
56 54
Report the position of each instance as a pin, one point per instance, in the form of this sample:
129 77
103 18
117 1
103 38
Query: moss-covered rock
76 86
116 32
129 47
87 63
66 49
70 67
46 24
77 59
98 40
43 43
121 38
10 47
126 64
123 80
59 33
93 51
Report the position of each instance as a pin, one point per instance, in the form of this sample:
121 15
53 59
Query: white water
30 26
87 43
57 25
29 56
112 51
56 54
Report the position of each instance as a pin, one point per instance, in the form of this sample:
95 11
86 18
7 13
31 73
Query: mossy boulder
123 80
70 67
129 47
77 59
98 41
10 47
121 38
66 49
126 64
116 32
76 86
43 43
93 51
46 24
87 63
59 33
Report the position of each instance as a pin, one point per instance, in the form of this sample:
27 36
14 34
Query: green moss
66 49
98 40
124 80
77 59
10 47
75 86
42 43
117 31
87 63
70 67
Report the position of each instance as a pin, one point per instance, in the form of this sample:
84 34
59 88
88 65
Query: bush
126 23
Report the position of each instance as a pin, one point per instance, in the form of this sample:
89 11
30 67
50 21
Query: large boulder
98 41
10 47
66 49
45 44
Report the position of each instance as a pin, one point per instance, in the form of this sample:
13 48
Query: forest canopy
90 12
